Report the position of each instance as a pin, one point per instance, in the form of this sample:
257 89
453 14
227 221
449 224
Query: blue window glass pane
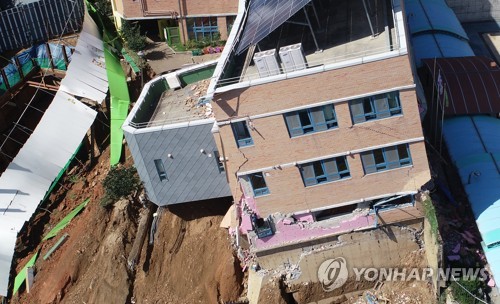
258 183
311 120
386 158
375 107
242 134
324 171
160 169
368 162
305 121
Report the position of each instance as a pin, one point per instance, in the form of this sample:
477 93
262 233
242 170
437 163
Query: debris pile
192 101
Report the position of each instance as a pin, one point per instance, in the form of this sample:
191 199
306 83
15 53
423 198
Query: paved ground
162 58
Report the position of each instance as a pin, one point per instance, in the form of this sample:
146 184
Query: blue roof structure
439 46
474 147
435 31
433 16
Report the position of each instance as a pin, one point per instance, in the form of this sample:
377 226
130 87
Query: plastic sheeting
35 55
65 221
474 148
86 75
21 276
24 183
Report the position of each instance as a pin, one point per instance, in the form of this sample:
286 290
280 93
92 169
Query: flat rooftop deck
181 105
344 33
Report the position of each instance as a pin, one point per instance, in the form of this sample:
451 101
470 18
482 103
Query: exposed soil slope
190 262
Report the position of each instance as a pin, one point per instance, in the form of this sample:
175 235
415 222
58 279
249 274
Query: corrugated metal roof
425 15
474 148
26 180
472 84
86 75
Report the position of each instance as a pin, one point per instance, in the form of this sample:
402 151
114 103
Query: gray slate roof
191 175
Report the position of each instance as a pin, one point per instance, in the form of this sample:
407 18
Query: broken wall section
390 246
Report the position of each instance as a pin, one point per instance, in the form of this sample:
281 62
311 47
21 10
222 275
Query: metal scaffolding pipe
368 17
311 29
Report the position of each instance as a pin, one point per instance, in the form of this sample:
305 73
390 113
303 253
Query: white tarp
28 177
86 75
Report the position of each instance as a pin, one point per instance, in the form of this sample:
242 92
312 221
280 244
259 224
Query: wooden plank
30 276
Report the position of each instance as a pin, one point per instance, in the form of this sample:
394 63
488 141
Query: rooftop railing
360 57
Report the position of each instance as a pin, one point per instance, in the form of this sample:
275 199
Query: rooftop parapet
323 35
173 98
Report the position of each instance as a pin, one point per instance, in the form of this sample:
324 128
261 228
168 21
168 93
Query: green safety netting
65 221
117 82
21 276
120 102
130 61
61 173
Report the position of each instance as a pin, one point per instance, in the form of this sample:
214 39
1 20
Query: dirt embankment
190 261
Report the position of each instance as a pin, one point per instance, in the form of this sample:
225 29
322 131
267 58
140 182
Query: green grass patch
430 214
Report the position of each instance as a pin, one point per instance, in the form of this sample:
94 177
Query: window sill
373 120
263 195
314 133
247 146
330 182
389 170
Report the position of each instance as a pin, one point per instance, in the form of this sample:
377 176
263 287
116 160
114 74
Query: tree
103 6
131 34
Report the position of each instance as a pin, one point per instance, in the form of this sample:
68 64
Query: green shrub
103 6
131 34
120 182
462 296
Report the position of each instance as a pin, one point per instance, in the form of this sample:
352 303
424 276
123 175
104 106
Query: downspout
181 24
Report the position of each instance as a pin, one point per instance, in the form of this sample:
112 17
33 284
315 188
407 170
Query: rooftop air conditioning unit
286 59
266 63
293 58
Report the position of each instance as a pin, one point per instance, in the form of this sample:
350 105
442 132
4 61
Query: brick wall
288 193
273 146
133 8
222 25
318 87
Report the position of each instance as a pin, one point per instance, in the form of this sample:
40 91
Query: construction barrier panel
27 24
